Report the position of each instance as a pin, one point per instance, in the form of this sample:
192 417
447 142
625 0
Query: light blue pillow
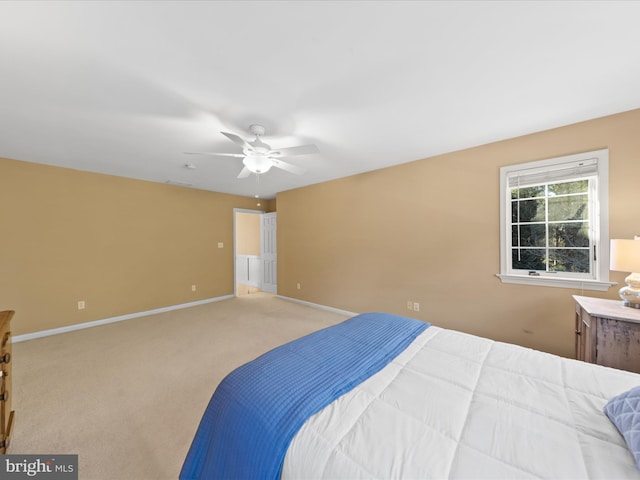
624 411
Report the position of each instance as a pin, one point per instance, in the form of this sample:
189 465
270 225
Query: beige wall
247 234
121 245
429 232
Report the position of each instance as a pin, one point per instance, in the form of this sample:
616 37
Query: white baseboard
316 305
129 316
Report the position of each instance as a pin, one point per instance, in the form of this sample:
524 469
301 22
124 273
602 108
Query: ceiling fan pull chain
257 190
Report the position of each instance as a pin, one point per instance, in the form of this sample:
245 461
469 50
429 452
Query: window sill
556 282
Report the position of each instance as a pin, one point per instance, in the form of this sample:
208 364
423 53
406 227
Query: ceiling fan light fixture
258 157
257 163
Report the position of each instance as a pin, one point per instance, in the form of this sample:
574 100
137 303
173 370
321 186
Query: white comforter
458 406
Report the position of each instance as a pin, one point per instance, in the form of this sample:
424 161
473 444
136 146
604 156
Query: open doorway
255 252
248 273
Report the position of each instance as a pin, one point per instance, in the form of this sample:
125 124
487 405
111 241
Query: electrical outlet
409 304
416 307
298 286
193 288
81 305
220 244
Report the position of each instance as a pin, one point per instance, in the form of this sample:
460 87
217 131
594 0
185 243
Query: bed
384 396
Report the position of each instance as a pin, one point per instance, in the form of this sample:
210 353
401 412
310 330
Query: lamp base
630 294
629 304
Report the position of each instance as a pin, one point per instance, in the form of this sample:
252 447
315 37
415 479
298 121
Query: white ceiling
124 88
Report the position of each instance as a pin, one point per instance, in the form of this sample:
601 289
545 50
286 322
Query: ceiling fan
258 157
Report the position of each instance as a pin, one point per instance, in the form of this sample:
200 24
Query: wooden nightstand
6 414
607 333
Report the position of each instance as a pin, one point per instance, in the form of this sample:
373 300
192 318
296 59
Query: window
554 225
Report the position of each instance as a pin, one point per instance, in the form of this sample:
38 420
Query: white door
268 252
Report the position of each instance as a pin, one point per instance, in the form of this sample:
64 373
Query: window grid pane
550 227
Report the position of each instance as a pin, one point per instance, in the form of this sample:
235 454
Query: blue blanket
258 408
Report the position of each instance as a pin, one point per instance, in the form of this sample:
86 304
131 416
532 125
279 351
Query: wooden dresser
6 414
607 333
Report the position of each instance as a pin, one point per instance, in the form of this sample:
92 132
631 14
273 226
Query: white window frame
599 227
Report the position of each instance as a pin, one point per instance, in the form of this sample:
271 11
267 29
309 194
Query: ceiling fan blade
299 150
287 166
244 173
236 139
237 155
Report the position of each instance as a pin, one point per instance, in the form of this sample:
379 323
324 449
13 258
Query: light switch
220 244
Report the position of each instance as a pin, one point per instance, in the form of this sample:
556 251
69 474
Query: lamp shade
625 255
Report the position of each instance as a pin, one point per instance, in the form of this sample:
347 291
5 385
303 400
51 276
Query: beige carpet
127 397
